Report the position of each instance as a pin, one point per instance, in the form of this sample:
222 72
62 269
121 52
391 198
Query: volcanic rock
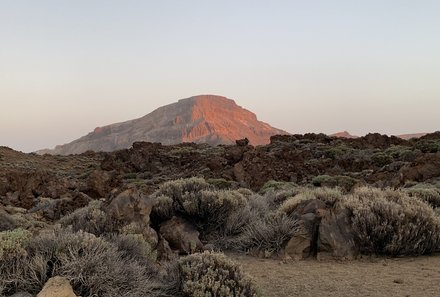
181 236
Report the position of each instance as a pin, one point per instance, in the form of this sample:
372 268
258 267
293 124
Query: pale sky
69 66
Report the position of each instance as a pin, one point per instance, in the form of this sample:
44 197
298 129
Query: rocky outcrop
57 287
201 119
336 236
181 236
324 230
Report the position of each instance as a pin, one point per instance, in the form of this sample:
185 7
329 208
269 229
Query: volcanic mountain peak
202 119
344 134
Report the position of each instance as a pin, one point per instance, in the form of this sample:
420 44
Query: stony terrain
145 214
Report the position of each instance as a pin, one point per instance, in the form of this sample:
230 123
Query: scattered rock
181 235
131 206
399 281
164 252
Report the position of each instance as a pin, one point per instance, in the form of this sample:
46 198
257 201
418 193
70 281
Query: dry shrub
277 186
90 219
256 208
7 222
327 195
391 222
94 267
213 275
133 246
429 194
198 202
344 182
270 234
12 242
276 198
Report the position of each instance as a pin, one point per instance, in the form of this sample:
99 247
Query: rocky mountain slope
200 119
344 134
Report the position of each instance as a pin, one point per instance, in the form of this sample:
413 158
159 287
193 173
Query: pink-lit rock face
200 119
344 134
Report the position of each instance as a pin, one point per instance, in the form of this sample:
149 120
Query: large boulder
131 206
100 183
164 251
304 243
57 287
54 209
324 230
336 235
423 168
181 236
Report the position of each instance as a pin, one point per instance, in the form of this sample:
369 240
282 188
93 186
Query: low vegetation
211 274
393 223
101 260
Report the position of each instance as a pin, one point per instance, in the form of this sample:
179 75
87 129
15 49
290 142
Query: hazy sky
69 66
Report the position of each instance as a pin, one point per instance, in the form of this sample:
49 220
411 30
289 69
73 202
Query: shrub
94 267
345 182
327 195
7 222
214 275
221 183
198 202
275 198
381 159
430 195
428 146
391 222
12 242
402 153
270 234
90 219
273 185
133 246
256 208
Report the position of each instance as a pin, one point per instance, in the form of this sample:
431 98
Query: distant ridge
345 134
409 136
201 119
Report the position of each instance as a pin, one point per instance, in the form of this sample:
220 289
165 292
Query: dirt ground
419 276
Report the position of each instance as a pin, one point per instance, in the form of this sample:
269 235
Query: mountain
409 136
344 134
200 119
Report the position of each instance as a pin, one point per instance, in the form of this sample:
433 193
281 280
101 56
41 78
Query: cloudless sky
69 66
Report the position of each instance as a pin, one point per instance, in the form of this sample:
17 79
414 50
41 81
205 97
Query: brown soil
418 276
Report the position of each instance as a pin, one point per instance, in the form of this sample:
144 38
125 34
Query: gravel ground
418 277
